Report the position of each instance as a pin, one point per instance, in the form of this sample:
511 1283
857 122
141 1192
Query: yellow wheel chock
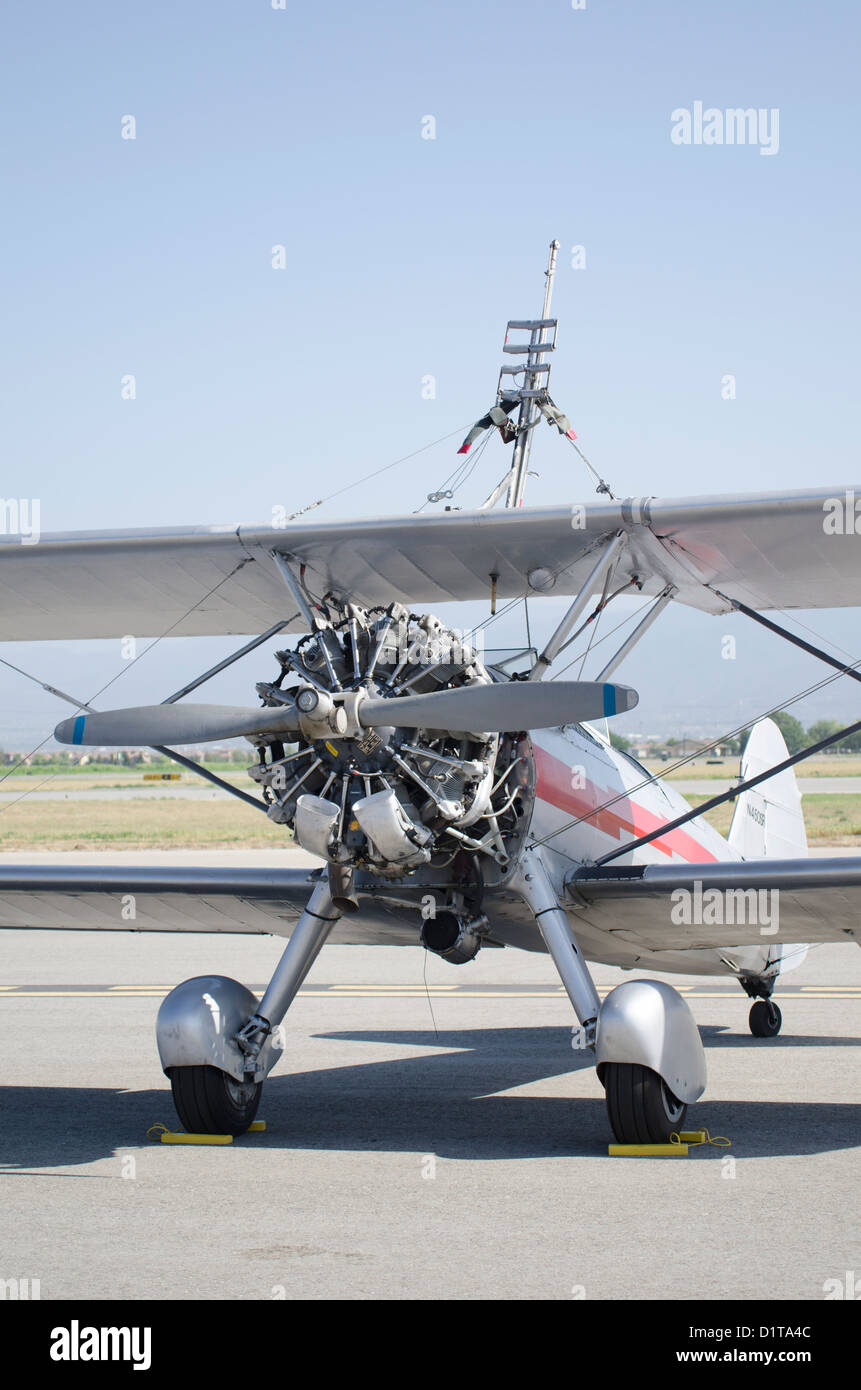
160 1133
677 1148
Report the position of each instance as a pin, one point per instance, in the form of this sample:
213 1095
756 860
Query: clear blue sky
405 256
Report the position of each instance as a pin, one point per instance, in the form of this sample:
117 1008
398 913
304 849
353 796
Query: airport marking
413 991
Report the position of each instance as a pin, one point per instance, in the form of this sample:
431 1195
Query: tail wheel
765 1019
640 1104
208 1101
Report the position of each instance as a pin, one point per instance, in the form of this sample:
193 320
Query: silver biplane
452 802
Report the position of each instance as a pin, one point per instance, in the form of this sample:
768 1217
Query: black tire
641 1107
765 1019
208 1101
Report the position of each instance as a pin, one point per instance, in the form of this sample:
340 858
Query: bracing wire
127 667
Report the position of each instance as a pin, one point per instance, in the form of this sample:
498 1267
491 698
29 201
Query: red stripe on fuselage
555 787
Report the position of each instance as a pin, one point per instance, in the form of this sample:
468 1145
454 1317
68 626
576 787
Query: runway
430 1135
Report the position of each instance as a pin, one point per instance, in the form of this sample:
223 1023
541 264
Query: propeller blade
153 725
515 705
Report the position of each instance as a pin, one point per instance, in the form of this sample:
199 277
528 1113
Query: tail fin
768 822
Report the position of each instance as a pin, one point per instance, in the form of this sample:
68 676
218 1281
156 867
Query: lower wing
677 907
656 907
265 901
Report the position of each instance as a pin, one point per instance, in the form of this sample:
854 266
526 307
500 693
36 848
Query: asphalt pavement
430 1135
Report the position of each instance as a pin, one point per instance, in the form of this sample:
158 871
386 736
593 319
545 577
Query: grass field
160 823
829 820
168 823
19 769
838 765
28 779
97 775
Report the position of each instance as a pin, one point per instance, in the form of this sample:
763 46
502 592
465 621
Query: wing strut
598 573
639 631
796 641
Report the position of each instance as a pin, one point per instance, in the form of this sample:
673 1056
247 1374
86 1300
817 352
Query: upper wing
772 550
119 898
677 907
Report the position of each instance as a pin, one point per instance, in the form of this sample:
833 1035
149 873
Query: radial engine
390 800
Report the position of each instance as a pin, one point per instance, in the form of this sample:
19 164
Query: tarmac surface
430 1135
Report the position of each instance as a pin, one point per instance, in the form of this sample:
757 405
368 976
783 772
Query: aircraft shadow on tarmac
718 1035
443 1102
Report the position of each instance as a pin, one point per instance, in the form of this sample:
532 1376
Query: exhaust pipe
449 936
341 889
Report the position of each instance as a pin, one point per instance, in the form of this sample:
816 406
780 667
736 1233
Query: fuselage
590 799
581 778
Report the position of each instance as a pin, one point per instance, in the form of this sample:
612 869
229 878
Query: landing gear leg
648 1047
532 882
210 1100
301 951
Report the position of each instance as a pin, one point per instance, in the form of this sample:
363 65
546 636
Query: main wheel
640 1104
208 1101
765 1019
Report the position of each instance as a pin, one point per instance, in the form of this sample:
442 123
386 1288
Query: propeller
154 725
514 705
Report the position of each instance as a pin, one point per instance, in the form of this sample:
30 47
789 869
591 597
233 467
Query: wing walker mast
523 385
536 375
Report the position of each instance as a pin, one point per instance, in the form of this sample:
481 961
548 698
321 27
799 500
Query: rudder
768 822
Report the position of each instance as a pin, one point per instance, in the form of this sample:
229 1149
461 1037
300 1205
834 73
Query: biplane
452 802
